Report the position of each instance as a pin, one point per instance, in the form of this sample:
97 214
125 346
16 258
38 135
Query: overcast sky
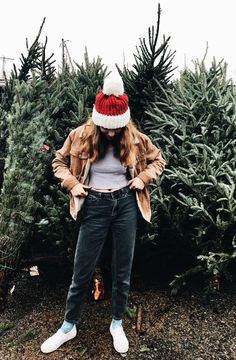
111 29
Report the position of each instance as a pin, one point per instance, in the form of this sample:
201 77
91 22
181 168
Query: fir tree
196 206
35 64
147 80
24 171
71 101
149 75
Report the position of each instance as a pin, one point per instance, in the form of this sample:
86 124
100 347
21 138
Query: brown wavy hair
95 144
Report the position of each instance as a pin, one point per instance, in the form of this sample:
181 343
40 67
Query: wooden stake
139 318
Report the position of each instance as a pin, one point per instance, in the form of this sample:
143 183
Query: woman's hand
136 184
79 190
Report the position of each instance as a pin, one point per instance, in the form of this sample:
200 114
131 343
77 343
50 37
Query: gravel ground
187 326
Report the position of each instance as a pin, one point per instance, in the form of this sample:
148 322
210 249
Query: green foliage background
193 121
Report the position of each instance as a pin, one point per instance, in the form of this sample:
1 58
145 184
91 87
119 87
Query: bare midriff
104 190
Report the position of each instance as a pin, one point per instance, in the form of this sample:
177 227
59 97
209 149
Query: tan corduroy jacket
72 166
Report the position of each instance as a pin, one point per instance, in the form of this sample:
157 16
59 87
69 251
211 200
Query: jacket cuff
69 182
144 178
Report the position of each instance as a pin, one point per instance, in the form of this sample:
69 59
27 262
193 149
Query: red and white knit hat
111 109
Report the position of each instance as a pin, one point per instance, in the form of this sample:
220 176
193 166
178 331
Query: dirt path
189 326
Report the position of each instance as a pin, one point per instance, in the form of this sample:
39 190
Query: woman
106 164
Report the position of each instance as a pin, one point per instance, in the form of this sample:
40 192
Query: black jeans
101 211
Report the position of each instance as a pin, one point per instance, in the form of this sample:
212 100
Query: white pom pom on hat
113 85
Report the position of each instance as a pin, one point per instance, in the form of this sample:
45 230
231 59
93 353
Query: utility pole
69 57
4 60
66 55
2 77
185 62
63 53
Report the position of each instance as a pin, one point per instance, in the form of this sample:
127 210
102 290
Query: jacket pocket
78 154
77 163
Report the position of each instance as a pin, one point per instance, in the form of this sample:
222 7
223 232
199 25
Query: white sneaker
120 341
56 340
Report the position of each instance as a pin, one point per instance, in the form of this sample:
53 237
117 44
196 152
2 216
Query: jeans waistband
111 195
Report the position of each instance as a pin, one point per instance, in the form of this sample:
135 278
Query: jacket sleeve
61 165
155 163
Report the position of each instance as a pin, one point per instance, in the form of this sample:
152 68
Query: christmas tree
196 206
71 100
149 75
28 124
147 80
36 64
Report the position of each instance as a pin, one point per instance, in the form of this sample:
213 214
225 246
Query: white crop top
108 173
